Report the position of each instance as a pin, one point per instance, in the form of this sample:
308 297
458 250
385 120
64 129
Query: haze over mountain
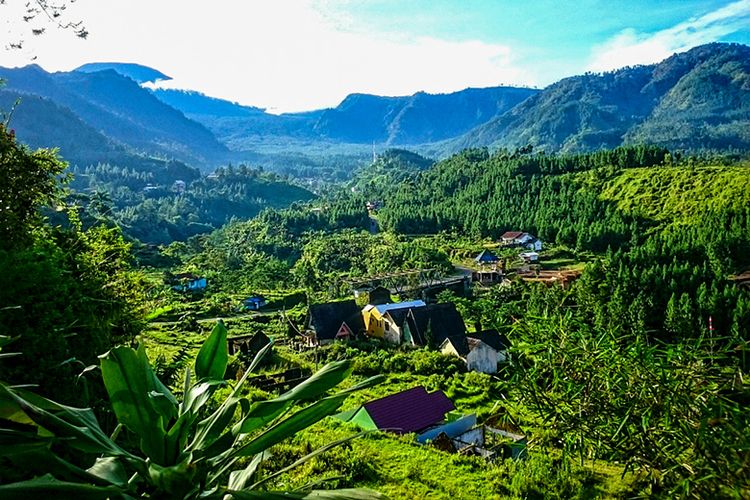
695 100
119 108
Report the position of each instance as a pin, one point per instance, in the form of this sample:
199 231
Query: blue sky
290 55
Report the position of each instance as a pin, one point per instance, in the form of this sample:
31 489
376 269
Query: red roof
409 411
511 235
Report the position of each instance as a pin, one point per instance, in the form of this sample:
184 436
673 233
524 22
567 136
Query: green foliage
68 293
186 449
29 182
166 203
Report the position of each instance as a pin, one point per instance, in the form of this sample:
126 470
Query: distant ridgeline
698 100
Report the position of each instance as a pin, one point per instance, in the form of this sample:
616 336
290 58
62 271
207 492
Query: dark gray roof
326 319
460 344
444 319
399 316
493 338
486 256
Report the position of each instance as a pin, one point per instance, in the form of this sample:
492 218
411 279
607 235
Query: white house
534 245
477 355
519 238
529 256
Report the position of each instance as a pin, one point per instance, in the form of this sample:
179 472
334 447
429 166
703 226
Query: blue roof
383 308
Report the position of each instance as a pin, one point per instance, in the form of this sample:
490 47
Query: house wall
482 358
392 333
473 437
448 349
375 324
451 429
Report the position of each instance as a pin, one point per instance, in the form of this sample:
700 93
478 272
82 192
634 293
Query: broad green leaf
211 427
78 425
127 384
239 478
177 437
164 401
111 470
15 442
263 412
290 426
213 356
197 395
49 487
176 479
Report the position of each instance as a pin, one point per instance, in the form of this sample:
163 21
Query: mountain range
102 112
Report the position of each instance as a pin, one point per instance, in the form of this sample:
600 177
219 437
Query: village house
529 257
248 345
430 326
413 410
333 321
481 351
496 341
373 316
521 239
188 282
478 356
254 303
486 257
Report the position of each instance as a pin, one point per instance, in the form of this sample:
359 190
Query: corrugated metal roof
400 305
409 411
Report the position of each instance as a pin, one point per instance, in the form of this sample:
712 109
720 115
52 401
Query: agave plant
184 449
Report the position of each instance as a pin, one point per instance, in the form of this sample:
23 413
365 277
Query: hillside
695 100
120 109
391 168
416 119
678 194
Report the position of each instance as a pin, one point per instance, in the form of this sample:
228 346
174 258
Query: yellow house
374 316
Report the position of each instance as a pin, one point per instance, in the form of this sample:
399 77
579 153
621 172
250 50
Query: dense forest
631 382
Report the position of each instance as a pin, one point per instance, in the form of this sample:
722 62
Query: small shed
529 256
487 277
412 410
496 341
248 345
477 355
486 257
254 303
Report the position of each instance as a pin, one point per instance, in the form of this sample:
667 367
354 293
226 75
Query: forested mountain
416 119
695 100
359 119
121 109
391 168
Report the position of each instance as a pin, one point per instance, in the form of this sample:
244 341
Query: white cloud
284 55
629 47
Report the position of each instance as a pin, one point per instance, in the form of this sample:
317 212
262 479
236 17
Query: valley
499 292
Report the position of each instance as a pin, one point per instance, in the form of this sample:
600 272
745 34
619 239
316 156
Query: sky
297 55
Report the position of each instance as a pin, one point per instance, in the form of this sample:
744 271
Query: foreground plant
184 449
